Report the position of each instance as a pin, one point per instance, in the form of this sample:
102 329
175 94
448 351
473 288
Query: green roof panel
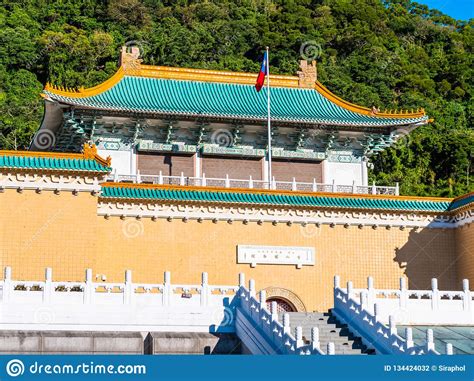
116 191
223 100
51 163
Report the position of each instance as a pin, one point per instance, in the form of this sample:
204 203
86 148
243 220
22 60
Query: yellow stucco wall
465 253
64 232
47 230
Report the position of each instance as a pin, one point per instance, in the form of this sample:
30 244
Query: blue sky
458 9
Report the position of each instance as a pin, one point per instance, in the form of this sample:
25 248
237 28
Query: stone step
330 331
339 339
326 333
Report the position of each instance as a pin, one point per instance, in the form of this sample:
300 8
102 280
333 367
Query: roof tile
117 191
168 96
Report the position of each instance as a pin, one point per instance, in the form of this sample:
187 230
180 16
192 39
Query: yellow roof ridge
365 110
89 92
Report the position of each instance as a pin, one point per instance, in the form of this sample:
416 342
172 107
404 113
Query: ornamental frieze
210 149
50 182
145 145
283 216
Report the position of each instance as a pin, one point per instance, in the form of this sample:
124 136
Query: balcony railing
253 184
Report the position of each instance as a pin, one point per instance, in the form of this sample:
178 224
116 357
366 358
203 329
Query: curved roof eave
332 109
163 113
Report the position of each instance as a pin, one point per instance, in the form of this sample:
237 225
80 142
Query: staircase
330 331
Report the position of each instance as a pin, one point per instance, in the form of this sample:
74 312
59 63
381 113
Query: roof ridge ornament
307 75
89 151
129 58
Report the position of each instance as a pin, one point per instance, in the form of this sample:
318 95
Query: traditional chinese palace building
164 170
199 123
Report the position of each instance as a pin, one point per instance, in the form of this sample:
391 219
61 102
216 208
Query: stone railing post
315 185
286 323
274 184
48 287
128 288
403 299
205 290
315 338
167 289
434 294
241 280
116 178
429 340
331 350
377 311
334 187
250 182
274 311
139 179
363 300
374 188
299 337
227 181
181 179
397 189
349 290
252 288
337 284
160 178
371 294
392 325
7 284
293 184
467 298
409 337
354 187
449 349
88 287
203 180
263 300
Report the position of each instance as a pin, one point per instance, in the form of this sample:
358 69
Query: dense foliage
395 54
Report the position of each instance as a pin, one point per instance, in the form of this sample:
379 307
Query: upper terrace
69 168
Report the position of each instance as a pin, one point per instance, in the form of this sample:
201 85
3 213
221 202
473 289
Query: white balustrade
419 307
374 313
254 318
251 183
130 306
371 313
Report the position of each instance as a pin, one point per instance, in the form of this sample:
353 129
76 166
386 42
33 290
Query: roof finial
308 74
129 56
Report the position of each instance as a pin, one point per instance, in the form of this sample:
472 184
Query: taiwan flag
262 74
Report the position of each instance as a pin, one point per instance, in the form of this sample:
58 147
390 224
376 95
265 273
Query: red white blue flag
262 74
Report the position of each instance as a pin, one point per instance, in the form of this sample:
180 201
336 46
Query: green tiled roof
51 163
109 191
462 201
232 101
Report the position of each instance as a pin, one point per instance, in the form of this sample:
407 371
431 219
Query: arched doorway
282 305
287 301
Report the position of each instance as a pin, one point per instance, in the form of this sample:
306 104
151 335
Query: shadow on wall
429 253
219 340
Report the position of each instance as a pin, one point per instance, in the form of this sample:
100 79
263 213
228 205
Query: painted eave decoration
87 161
225 95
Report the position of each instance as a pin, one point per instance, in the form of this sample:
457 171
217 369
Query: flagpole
269 153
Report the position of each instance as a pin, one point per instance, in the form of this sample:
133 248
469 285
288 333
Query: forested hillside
392 54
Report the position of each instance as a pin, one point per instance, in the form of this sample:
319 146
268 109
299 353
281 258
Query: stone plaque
275 255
